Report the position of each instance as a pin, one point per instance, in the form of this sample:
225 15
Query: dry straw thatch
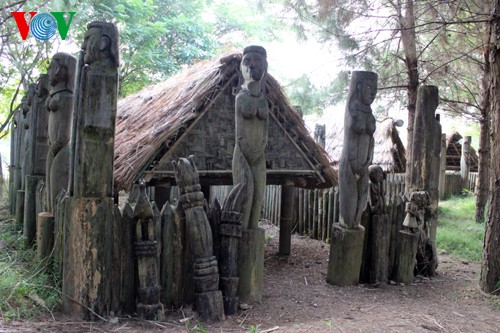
151 121
389 151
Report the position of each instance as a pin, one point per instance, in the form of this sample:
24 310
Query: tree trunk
483 182
490 268
407 26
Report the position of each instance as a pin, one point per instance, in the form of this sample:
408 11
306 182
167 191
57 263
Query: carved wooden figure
249 161
26 161
230 234
60 106
95 113
208 297
357 151
146 250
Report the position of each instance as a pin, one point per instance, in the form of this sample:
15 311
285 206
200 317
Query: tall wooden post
425 168
465 162
286 218
442 169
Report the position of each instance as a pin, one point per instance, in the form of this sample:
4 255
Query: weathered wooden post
346 249
414 220
146 250
230 235
286 218
249 168
60 102
37 154
88 229
208 297
442 169
25 120
465 162
14 134
379 231
424 172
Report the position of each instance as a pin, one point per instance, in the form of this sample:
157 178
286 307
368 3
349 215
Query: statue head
363 86
186 173
100 43
376 173
62 70
42 86
254 63
30 94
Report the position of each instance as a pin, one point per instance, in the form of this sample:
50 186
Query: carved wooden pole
88 230
465 162
208 297
230 235
346 249
146 250
424 170
37 155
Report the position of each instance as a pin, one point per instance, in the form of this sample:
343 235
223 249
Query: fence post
442 169
465 162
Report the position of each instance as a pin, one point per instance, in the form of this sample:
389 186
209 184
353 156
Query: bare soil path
297 299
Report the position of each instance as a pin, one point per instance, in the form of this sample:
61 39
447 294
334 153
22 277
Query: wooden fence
316 210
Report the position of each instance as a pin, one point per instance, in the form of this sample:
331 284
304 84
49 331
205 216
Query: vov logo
43 26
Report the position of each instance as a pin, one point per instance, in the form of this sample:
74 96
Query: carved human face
253 66
367 91
41 86
57 72
91 45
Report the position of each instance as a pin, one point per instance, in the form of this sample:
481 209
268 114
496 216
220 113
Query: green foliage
27 288
254 328
196 328
457 232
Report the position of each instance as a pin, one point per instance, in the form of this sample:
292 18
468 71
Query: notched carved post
230 234
208 298
146 251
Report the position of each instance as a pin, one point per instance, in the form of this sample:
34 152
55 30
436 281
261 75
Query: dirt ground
296 298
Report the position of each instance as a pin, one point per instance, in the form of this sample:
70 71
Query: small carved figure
416 209
208 297
60 107
249 162
376 197
357 152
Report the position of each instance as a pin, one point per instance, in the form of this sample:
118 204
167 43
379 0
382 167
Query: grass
457 233
27 286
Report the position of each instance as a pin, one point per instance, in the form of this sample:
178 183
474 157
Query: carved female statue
60 107
27 128
249 163
357 152
376 197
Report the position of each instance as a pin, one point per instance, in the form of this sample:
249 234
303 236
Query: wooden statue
357 151
60 106
208 297
347 239
27 128
146 251
41 123
93 141
376 196
249 161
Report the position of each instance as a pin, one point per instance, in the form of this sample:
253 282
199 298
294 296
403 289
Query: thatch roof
454 153
389 151
152 122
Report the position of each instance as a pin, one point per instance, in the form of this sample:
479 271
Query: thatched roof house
193 114
389 151
454 153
